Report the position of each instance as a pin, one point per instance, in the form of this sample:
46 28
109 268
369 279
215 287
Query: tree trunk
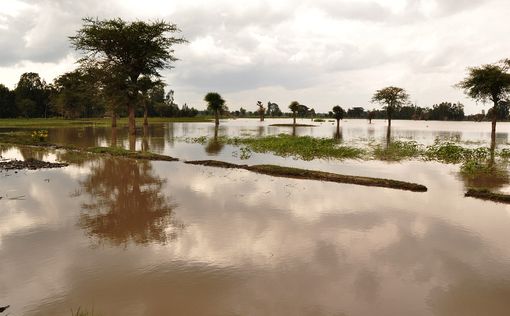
294 118
132 123
338 126
113 142
262 116
114 119
216 118
145 122
493 130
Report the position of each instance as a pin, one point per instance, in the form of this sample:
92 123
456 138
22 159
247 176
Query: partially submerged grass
397 150
305 147
487 195
296 173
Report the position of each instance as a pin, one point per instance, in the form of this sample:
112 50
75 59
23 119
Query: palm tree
338 114
216 104
294 107
488 83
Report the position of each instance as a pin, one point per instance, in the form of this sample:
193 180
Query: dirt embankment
295 173
31 164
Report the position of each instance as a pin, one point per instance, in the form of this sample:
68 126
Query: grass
59 122
305 147
296 173
397 150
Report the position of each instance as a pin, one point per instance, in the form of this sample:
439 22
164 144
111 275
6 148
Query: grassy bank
58 122
296 173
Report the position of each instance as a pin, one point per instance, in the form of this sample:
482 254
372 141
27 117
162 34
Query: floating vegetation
296 173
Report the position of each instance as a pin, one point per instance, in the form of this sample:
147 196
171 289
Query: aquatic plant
397 150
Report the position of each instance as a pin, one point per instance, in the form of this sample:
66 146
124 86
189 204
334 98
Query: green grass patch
397 150
305 147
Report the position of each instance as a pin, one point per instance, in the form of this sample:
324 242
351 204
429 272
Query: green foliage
338 112
450 152
215 102
392 98
306 148
294 106
397 150
487 82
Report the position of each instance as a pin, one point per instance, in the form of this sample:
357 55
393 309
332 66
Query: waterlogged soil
137 237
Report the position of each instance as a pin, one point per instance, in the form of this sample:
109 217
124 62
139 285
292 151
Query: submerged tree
392 98
488 83
294 107
216 104
132 49
147 86
338 114
370 116
261 110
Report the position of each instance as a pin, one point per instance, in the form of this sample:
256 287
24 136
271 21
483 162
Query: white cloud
324 51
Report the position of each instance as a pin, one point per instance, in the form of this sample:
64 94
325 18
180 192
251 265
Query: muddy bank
296 173
484 194
292 125
30 164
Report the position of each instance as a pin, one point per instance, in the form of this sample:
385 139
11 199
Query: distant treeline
444 111
77 95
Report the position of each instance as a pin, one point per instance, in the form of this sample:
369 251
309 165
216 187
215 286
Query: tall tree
261 110
7 102
392 98
134 49
216 104
294 107
489 82
338 114
32 95
146 86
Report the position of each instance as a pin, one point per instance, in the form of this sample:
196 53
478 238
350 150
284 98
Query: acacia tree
294 107
216 104
338 114
392 98
489 82
261 110
133 48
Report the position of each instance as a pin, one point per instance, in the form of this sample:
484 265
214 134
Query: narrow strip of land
296 173
484 194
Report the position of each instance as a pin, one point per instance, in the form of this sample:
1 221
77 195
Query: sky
319 52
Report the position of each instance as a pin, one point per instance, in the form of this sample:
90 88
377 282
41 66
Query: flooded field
126 237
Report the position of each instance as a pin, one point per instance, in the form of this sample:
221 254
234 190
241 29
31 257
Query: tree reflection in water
214 146
126 204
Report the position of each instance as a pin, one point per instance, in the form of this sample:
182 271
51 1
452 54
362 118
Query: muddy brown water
125 237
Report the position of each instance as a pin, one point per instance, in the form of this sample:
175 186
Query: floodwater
126 237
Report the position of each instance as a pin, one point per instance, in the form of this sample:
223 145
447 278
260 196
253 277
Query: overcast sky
318 52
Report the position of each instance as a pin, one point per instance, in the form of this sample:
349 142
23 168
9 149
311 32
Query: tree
294 107
261 110
75 95
32 95
7 102
216 104
273 109
146 86
370 116
338 114
134 49
489 82
392 98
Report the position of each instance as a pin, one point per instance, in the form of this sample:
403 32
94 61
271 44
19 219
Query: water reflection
214 146
126 203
